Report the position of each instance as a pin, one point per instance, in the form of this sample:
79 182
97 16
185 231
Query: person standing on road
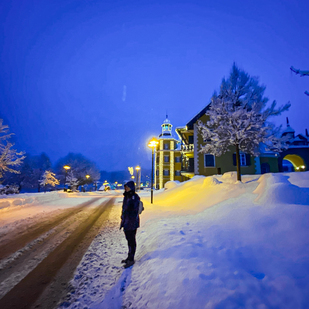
130 220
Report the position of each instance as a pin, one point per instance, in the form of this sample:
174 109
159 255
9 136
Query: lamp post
152 144
87 177
138 177
66 167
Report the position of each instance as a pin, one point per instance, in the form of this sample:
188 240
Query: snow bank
194 195
247 251
29 199
171 184
276 188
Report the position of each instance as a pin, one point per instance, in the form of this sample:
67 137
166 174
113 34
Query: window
177 159
177 173
166 172
166 146
209 160
166 159
191 139
157 172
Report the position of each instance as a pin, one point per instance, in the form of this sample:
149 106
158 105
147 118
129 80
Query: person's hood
131 185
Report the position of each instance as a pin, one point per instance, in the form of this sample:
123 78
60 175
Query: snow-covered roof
197 116
166 121
289 130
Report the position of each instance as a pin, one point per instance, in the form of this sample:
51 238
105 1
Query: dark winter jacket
130 206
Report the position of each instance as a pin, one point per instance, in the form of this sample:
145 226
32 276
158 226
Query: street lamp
152 144
66 167
138 177
87 177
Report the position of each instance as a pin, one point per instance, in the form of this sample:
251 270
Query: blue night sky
97 77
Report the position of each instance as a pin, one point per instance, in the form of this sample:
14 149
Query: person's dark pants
130 236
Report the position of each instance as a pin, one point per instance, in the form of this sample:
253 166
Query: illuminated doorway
292 162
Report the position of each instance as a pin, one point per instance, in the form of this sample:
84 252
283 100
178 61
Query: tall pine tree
238 118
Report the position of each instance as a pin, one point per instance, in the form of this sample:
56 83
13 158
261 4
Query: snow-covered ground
210 242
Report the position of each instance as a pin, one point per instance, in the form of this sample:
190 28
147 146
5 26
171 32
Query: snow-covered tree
80 166
10 159
238 117
72 181
48 178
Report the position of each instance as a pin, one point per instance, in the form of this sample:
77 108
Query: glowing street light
87 176
66 167
153 143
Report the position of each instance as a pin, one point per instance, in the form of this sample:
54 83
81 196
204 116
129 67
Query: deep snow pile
210 242
214 243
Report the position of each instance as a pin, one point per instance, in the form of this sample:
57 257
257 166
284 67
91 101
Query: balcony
187 148
187 169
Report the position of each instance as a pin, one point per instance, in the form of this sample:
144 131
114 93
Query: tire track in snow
12 245
21 263
50 277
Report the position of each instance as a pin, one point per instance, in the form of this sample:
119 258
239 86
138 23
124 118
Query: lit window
177 159
177 173
209 160
166 146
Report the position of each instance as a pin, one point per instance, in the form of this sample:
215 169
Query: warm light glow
66 167
130 168
137 168
87 176
303 166
153 143
132 177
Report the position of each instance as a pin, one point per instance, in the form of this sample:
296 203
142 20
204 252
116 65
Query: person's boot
129 263
124 261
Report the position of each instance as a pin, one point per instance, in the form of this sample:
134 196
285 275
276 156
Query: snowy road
38 259
210 242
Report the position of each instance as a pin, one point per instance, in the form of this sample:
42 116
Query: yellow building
167 157
196 163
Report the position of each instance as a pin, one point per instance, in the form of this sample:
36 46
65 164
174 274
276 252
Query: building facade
296 157
196 163
167 157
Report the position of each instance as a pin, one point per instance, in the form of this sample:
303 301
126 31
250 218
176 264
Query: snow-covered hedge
9 189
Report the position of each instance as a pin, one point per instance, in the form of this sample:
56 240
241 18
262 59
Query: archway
297 162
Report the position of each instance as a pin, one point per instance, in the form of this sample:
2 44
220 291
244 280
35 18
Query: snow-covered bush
9 189
171 184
